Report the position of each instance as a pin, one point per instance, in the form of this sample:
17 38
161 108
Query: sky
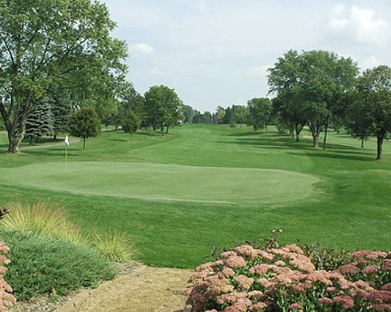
217 52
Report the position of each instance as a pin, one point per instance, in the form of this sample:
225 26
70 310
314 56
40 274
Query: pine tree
62 110
39 122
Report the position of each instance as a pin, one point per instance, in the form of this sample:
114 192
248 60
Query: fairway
162 182
178 195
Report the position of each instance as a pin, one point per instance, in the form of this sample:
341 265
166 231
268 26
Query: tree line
317 89
57 58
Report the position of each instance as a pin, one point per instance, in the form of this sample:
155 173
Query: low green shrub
45 265
285 279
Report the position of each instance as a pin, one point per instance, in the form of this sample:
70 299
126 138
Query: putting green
164 182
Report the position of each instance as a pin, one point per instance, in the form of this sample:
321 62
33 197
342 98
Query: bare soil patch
138 288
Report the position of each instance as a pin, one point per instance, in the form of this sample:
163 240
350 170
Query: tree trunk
13 143
16 134
380 138
167 129
84 144
55 137
326 126
31 140
315 131
266 128
298 129
362 142
315 141
15 123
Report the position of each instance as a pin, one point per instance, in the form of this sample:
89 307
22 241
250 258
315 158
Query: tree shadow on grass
344 156
276 142
52 152
247 133
120 140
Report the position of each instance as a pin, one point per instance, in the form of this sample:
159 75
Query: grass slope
349 205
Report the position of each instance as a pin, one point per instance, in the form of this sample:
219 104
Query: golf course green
177 196
164 182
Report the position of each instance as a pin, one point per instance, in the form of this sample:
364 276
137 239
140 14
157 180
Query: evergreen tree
39 122
62 110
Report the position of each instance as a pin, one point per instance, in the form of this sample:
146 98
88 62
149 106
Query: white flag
66 141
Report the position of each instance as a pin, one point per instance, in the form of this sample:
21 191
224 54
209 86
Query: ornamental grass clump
114 246
285 279
41 218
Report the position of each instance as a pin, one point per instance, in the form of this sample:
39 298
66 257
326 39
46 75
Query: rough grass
350 208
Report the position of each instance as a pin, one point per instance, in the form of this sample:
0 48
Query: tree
85 124
163 107
130 122
311 88
51 46
374 97
239 114
39 122
62 110
283 80
136 103
220 113
259 113
358 122
326 80
188 114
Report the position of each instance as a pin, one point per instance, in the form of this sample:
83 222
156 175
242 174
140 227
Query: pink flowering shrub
285 279
6 299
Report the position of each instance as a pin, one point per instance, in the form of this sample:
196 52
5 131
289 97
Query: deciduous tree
311 88
374 96
163 107
51 45
85 124
259 113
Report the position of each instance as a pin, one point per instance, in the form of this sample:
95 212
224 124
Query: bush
285 279
42 264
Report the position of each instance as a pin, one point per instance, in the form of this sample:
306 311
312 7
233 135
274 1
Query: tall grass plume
41 218
114 246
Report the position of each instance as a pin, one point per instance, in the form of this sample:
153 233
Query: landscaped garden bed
290 278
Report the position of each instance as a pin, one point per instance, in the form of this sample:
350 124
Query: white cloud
370 62
142 49
359 24
157 72
258 71
202 5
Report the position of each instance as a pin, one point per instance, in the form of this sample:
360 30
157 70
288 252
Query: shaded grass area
350 208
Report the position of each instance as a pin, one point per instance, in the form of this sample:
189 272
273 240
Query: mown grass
348 207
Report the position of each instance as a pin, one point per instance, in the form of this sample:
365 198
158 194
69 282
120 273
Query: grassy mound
41 264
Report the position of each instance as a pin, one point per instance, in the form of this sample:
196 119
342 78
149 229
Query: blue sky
216 52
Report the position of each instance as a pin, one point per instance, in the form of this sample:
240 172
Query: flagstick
66 159
66 141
